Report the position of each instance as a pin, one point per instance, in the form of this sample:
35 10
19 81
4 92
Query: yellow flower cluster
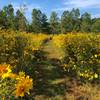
35 49
39 38
5 70
23 83
65 66
90 76
59 40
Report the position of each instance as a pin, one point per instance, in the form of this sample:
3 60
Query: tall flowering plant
13 85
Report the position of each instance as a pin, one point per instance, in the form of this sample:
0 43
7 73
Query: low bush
81 57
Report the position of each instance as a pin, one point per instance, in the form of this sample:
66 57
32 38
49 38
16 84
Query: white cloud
61 9
83 4
27 6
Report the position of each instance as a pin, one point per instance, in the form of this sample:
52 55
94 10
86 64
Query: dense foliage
20 51
81 55
70 21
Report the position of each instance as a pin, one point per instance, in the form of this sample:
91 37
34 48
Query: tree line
70 21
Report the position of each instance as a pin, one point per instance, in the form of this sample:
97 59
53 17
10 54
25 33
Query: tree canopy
69 21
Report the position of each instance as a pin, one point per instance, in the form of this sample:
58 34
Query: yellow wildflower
10 75
96 56
5 70
20 76
96 75
3 98
34 49
23 86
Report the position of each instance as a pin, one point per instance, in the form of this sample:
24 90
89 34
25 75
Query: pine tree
96 25
3 18
66 22
36 21
75 13
21 22
86 22
45 24
10 16
54 23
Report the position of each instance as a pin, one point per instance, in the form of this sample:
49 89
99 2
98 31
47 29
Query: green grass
55 53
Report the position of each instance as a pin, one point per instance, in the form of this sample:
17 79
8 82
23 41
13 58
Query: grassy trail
54 81
53 53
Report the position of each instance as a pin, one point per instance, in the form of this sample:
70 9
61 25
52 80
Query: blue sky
47 6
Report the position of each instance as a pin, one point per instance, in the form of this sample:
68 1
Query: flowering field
49 67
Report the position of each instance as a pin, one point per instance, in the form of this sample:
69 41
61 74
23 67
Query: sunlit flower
3 98
20 76
23 86
10 75
34 49
5 70
95 75
96 56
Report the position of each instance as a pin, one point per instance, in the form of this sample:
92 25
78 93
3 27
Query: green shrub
82 56
19 49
